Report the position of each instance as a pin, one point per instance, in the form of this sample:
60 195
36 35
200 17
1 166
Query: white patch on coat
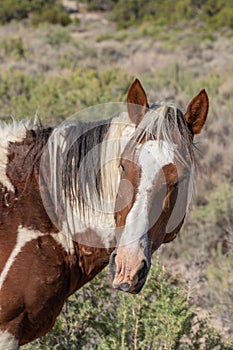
64 239
153 156
23 237
8 341
14 132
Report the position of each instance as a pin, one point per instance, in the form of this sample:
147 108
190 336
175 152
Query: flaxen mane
79 173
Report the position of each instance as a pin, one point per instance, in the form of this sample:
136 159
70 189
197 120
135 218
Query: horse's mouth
137 289
131 289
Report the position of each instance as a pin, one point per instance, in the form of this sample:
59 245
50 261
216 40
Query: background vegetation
40 10
212 14
57 58
160 318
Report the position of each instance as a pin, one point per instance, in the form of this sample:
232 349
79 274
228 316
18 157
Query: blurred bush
13 46
213 14
41 11
97 318
58 35
209 13
100 5
55 99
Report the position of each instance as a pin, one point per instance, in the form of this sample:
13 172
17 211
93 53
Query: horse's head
156 183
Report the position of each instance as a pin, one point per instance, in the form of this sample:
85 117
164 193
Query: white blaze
153 156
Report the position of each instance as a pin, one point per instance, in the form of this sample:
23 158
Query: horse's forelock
164 121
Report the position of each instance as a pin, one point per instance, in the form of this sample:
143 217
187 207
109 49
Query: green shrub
160 12
100 5
14 46
224 18
212 14
58 35
160 317
41 10
103 37
127 13
55 99
53 15
11 9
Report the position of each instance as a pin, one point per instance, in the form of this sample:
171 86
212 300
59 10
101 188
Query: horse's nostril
144 263
143 270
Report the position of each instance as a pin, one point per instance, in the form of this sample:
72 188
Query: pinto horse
75 197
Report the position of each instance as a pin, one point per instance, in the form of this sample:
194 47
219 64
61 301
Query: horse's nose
124 287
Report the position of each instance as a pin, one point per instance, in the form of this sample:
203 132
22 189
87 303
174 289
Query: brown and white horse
70 195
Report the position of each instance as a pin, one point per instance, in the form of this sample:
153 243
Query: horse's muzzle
133 285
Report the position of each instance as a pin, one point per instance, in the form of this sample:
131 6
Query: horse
80 196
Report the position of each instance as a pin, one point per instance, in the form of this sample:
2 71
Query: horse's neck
85 263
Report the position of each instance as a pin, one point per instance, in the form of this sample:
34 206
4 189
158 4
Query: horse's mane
83 174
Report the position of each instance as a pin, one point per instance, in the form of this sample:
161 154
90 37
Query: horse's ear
136 102
197 111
